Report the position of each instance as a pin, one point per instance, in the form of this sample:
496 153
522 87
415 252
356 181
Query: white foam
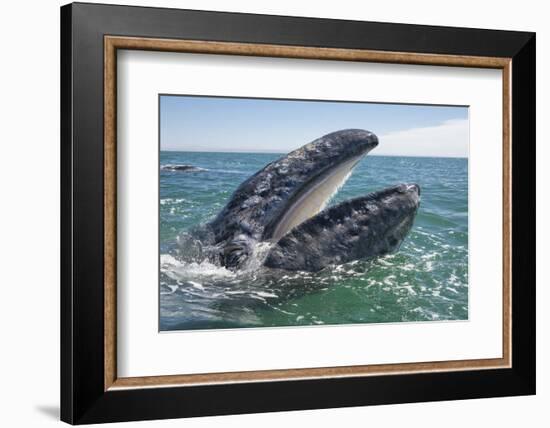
196 285
259 253
178 270
171 201
265 294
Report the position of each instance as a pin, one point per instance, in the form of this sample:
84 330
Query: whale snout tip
368 137
411 191
364 139
374 139
413 187
350 140
408 188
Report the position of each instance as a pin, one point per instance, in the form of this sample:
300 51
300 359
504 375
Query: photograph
283 212
272 211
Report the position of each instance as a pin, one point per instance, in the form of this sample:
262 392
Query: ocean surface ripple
427 280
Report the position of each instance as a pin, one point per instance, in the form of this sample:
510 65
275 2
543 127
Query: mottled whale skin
360 228
283 205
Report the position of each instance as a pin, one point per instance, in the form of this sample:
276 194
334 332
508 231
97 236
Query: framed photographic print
264 213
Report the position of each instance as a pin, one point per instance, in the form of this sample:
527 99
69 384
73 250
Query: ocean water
426 280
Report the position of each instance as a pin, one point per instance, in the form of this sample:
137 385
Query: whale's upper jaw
317 170
259 205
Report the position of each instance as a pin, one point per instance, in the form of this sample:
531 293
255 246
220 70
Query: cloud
448 139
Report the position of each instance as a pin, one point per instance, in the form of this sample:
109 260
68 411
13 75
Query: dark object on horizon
182 168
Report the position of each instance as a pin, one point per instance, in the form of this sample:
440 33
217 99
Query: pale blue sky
192 123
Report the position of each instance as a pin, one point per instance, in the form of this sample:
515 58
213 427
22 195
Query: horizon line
283 153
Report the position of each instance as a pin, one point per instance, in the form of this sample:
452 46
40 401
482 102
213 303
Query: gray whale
283 205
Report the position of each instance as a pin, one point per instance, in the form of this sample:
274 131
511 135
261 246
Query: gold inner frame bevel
113 43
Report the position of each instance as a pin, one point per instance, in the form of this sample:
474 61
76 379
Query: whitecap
171 201
196 285
178 270
265 294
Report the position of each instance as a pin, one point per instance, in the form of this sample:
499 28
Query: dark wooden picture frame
90 389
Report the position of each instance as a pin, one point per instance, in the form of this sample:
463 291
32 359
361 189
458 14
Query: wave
182 271
232 171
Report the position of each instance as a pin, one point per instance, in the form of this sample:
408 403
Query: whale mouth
312 198
286 193
319 170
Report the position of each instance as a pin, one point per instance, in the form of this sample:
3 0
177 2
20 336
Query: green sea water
426 280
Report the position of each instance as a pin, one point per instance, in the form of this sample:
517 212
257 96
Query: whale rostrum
283 205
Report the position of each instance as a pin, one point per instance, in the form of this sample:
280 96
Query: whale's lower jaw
359 229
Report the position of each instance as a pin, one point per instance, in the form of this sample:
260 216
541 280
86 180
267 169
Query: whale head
287 191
